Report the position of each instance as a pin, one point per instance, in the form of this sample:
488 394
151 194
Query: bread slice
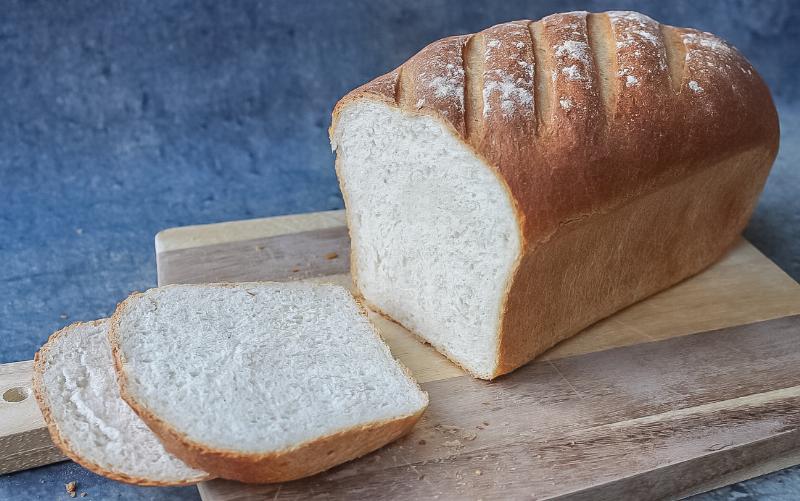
261 382
506 189
76 387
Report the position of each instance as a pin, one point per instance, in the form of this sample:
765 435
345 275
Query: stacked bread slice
76 387
256 382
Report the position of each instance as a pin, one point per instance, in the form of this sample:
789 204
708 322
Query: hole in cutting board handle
16 394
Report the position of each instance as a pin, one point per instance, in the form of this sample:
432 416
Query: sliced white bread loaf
261 382
76 387
508 188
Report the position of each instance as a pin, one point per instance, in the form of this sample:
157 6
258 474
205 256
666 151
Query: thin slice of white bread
261 382
76 386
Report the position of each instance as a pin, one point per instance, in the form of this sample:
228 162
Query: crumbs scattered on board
456 434
71 488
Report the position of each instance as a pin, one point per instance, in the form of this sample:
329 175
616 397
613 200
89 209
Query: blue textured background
119 119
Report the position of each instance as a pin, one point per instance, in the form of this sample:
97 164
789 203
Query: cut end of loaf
433 228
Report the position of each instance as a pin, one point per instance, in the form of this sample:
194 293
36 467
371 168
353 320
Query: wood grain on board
24 440
664 411
642 404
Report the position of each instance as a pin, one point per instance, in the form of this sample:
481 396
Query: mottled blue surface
119 119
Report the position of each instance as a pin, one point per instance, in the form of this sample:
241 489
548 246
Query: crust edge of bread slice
64 444
298 461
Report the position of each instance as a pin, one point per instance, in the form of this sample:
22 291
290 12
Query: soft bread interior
258 368
78 387
433 229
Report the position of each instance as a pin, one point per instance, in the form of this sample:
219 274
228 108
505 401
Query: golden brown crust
302 460
62 442
582 162
581 277
622 107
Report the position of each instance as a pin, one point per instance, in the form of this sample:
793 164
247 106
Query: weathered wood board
672 406
24 440
694 388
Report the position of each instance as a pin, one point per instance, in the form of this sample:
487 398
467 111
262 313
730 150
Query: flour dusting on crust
576 51
638 50
508 78
442 76
511 93
451 84
637 34
572 56
708 57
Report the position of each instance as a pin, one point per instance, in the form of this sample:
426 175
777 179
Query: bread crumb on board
331 255
457 432
71 487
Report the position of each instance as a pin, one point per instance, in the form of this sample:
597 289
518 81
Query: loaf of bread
508 188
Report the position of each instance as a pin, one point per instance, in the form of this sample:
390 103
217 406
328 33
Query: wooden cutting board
694 388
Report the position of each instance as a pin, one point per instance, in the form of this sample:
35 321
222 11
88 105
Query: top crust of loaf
580 113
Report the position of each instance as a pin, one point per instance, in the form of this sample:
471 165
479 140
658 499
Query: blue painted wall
122 118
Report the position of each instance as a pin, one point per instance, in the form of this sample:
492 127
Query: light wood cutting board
696 387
